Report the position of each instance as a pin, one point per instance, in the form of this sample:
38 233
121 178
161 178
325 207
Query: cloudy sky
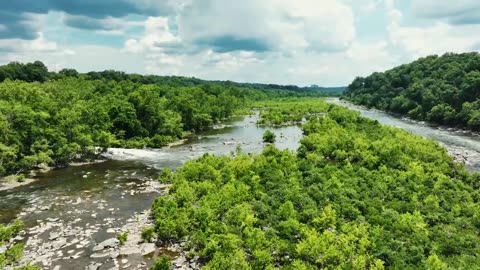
324 42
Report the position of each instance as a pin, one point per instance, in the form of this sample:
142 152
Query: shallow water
99 196
90 199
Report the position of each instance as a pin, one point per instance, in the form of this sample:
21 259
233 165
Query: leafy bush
122 238
162 263
21 178
147 234
269 137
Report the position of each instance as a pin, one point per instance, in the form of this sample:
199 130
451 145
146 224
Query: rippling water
106 195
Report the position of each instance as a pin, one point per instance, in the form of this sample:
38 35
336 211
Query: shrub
122 238
162 263
148 234
269 137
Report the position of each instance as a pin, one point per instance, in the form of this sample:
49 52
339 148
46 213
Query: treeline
56 119
357 195
38 72
289 111
443 90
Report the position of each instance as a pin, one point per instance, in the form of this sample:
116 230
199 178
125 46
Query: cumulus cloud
157 37
85 14
455 12
268 25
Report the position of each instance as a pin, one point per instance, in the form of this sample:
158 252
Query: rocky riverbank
88 231
469 158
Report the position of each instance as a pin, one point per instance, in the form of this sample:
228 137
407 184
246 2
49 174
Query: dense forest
443 90
356 195
38 72
54 118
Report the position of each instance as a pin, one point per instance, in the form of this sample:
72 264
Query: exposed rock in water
109 243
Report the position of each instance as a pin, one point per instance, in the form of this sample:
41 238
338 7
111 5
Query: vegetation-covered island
356 195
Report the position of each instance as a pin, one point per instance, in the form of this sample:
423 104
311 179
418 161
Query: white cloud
156 37
437 38
40 44
274 24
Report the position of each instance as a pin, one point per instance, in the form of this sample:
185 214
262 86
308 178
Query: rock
124 261
59 243
127 266
112 242
85 176
100 255
111 230
180 261
148 248
94 266
53 236
114 254
128 251
57 267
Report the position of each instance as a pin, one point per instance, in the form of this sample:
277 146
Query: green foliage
162 263
54 118
10 231
269 137
287 111
357 195
122 238
147 234
14 251
21 177
442 90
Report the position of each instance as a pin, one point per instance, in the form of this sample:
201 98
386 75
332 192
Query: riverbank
12 181
462 145
6 184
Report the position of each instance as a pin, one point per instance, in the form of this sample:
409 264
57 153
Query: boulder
148 248
112 242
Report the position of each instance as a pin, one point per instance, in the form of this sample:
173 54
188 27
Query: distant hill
440 89
38 72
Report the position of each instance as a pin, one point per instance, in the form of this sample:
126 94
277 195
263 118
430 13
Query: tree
269 137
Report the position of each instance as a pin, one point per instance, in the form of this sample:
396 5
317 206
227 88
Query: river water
462 144
69 211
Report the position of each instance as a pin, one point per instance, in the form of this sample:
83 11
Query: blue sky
324 42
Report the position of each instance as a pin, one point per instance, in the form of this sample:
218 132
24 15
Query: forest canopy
54 118
440 89
356 195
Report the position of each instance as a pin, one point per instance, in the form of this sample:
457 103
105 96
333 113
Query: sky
302 42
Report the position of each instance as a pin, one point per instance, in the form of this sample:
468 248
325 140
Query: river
69 211
463 145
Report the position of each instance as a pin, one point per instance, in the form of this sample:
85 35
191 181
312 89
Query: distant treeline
440 89
38 72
